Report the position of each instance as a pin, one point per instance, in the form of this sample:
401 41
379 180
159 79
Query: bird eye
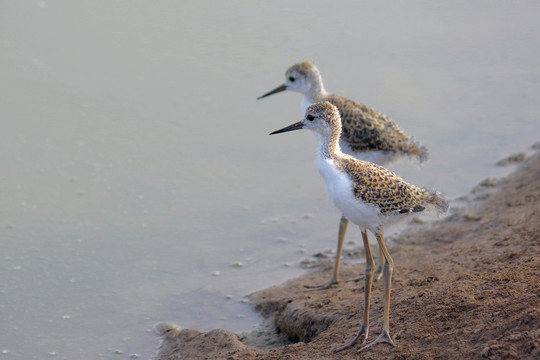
310 117
291 78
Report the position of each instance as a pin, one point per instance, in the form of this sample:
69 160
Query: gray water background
137 180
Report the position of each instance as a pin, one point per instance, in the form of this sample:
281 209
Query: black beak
295 126
280 88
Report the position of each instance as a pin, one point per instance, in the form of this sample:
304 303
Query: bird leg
387 282
364 328
335 275
378 271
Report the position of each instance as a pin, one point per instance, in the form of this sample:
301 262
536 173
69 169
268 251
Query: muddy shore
464 287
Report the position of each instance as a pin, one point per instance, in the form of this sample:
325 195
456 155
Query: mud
465 287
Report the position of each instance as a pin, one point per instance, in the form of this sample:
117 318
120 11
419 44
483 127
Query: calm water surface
138 183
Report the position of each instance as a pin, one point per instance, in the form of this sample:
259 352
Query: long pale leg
335 275
378 271
387 282
370 265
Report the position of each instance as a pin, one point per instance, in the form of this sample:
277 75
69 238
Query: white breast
340 191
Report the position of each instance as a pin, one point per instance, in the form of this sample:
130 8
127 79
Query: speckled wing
366 129
387 191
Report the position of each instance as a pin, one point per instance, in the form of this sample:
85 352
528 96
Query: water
137 170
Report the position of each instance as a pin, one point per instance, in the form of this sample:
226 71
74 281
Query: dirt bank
466 287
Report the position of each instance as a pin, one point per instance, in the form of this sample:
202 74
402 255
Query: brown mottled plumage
368 195
376 185
365 130
367 134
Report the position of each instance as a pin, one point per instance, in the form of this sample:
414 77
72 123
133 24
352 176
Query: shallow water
138 181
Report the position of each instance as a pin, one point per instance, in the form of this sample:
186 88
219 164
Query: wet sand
464 287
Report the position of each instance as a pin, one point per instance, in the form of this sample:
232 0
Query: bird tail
436 199
422 154
415 150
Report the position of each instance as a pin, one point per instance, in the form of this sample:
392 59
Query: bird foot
356 279
384 337
376 276
362 333
325 285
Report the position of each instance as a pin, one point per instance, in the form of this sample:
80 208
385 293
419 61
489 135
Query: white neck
312 97
329 145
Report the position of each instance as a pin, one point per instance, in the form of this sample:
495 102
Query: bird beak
280 88
296 126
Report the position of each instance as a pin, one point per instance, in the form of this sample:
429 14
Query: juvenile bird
368 195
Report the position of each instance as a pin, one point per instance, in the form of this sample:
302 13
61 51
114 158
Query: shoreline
465 286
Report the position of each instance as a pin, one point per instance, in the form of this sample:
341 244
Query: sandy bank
466 287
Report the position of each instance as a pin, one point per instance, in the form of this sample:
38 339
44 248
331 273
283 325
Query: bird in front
367 194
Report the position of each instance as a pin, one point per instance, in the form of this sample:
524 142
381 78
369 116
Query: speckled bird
368 195
367 135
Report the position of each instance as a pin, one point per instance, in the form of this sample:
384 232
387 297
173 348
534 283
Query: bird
367 135
367 194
